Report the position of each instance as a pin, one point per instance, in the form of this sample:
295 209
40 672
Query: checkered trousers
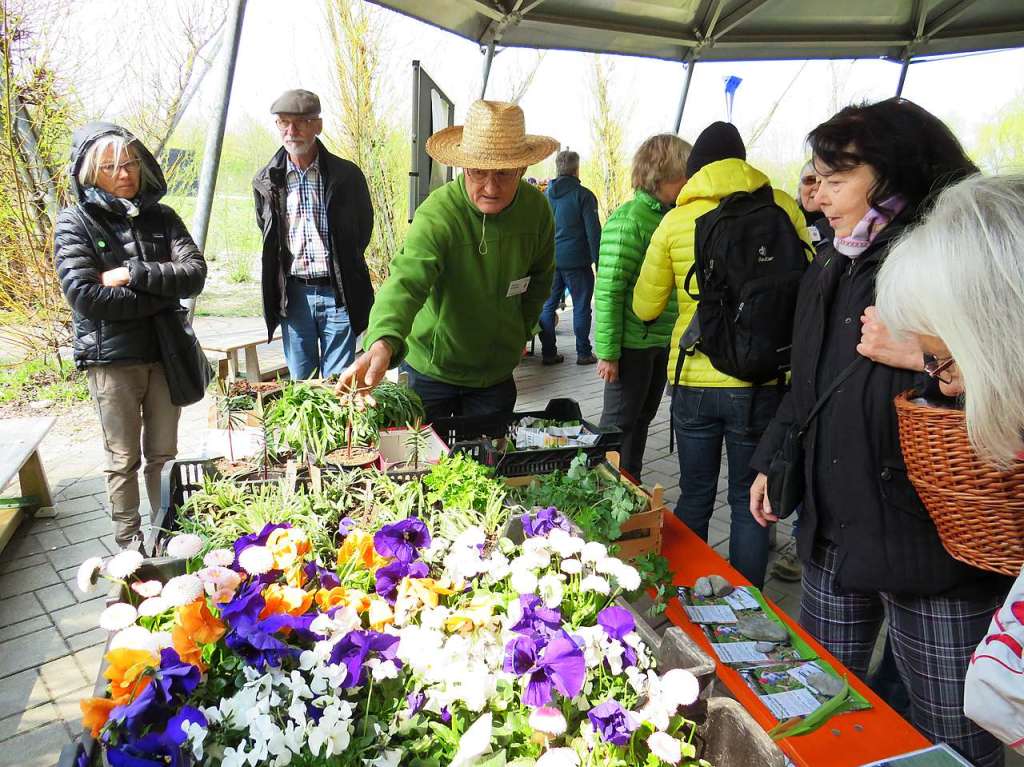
932 640
307 221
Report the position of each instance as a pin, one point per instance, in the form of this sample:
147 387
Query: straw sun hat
494 137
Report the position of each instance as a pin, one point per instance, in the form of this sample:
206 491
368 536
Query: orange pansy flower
187 648
340 596
199 623
124 669
285 599
95 713
358 548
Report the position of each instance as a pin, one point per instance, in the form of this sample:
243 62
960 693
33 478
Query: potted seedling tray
409 453
491 440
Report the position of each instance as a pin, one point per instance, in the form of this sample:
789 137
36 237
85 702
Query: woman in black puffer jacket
122 258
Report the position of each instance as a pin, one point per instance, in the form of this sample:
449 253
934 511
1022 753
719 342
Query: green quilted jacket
624 241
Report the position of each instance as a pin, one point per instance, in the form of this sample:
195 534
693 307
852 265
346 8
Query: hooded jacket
624 240
96 235
349 223
466 289
577 227
671 255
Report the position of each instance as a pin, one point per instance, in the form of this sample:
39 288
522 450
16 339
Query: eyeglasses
501 176
113 168
935 368
284 124
809 180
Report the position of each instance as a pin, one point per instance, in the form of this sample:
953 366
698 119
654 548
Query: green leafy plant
396 405
416 443
306 420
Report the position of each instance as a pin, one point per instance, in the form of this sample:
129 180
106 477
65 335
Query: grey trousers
137 419
632 402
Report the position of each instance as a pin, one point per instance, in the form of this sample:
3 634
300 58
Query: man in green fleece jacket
467 287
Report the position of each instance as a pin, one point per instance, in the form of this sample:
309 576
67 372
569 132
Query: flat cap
296 102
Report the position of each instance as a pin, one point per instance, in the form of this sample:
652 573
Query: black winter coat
349 219
115 324
886 540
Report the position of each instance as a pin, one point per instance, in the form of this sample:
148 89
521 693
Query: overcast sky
284 46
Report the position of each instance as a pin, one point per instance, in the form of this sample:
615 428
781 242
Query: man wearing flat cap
314 211
467 287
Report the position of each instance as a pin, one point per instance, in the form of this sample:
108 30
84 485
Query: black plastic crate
179 481
474 434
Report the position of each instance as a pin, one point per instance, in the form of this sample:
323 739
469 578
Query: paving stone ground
50 646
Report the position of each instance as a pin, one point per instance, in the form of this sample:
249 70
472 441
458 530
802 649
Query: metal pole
903 77
689 64
36 167
489 57
215 135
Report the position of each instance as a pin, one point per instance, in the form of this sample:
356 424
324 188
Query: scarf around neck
106 200
864 233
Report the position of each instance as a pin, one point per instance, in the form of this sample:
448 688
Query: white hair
959 276
123 148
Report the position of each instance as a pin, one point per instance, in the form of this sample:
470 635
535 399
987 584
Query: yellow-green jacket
670 256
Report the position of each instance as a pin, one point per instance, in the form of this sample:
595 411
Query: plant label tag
518 287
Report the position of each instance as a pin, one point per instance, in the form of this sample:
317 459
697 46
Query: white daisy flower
548 719
136 638
256 560
182 590
184 546
665 747
628 577
219 558
163 639
559 757
89 574
154 606
571 566
124 564
593 552
590 583
550 588
147 589
117 616
523 581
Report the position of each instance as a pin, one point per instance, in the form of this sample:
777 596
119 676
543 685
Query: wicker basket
978 510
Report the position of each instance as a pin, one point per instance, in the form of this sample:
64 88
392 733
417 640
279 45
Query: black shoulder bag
786 481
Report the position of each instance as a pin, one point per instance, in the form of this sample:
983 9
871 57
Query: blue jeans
701 419
581 287
316 333
443 400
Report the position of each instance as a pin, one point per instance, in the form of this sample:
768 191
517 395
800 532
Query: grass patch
25 382
239 268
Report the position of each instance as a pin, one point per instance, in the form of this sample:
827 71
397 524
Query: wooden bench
229 344
19 454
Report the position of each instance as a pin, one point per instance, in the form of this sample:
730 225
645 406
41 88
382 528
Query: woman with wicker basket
969 314
869 549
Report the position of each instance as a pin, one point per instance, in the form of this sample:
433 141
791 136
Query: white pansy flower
474 743
89 574
117 616
185 545
665 747
123 564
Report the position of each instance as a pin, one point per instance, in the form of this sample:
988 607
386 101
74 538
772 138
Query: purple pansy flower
175 732
557 663
254 639
537 620
402 540
327 578
543 522
617 622
345 527
415 702
611 723
353 650
446 715
388 577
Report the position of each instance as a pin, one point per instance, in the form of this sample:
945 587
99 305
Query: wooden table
847 740
19 454
229 345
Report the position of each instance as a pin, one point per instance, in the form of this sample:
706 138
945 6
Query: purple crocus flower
611 723
557 663
354 649
327 578
617 622
537 620
402 540
388 577
543 522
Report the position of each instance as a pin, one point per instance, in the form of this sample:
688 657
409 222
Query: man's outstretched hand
367 371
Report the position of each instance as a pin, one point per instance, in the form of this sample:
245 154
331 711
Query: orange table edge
847 740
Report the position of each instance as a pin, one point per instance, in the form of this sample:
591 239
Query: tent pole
903 77
689 64
488 58
215 135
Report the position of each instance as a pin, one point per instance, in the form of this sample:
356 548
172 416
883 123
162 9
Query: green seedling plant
416 443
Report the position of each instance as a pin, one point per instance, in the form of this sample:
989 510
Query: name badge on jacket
518 287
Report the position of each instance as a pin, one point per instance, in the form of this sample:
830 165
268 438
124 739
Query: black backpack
748 261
